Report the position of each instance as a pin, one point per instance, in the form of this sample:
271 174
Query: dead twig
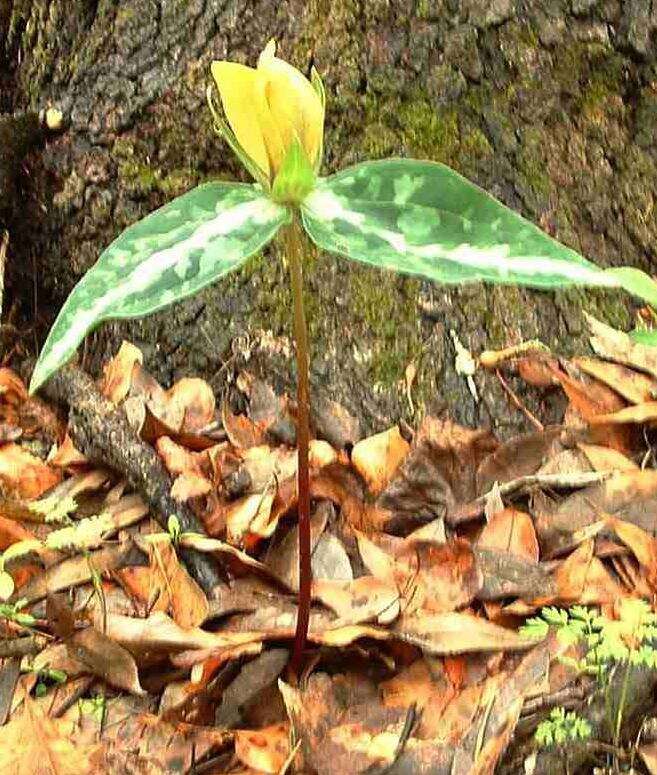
517 402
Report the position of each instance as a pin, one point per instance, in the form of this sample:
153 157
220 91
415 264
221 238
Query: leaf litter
431 546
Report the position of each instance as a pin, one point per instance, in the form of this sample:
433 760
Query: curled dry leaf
582 578
24 474
118 373
67 455
618 346
377 458
632 385
172 587
641 543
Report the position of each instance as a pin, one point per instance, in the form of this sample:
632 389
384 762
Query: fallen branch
565 481
102 433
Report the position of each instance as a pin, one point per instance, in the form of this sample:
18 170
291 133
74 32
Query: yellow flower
268 107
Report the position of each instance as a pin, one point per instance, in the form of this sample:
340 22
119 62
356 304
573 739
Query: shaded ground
550 106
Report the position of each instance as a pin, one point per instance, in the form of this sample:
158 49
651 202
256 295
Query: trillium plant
416 217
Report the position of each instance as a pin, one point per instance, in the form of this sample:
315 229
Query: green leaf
422 218
169 255
644 336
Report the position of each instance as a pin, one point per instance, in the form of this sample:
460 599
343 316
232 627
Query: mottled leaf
169 255
422 218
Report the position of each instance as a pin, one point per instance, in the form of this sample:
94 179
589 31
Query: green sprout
416 217
626 644
561 728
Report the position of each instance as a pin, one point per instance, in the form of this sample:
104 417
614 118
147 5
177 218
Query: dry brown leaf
642 545
604 459
423 684
511 531
172 587
436 579
618 346
641 413
457 633
265 750
79 570
24 474
591 400
648 753
634 386
33 744
251 514
377 458
67 455
12 388
105 659
242 432
118 373
362 600
582 578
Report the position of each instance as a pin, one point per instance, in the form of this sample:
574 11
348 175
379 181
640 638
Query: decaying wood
101 431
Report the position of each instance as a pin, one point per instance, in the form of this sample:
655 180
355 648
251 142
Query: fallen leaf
33 744
582 578
436 579
618 346
639 414
264 749
457 633
253 677
604 459
79 570
24 474
67 455
172 588
242 432
118 373
511 531
377 458
362 600
642 545
632 385
105 659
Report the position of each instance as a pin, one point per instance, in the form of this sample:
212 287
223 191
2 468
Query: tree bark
550 106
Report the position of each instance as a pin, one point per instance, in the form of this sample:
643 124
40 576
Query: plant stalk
293 244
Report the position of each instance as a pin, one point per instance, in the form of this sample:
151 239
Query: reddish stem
294 253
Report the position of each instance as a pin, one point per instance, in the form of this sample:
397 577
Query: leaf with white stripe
169 255
422 218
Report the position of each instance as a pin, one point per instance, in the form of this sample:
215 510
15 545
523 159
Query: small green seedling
13 612
626 644
562 728
416 217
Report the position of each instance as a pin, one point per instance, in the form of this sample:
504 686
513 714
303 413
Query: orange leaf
513 532
118 373
265 749
377 458
25 474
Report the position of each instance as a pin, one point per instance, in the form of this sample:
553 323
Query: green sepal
422 218
172 253
296 177
318 86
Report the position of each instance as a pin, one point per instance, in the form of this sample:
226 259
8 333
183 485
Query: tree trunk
550 105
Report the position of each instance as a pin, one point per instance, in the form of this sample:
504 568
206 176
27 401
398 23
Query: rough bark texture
548 104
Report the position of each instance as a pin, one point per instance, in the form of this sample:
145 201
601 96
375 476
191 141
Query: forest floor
477 606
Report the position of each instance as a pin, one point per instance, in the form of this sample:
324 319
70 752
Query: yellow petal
242 95
294 104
